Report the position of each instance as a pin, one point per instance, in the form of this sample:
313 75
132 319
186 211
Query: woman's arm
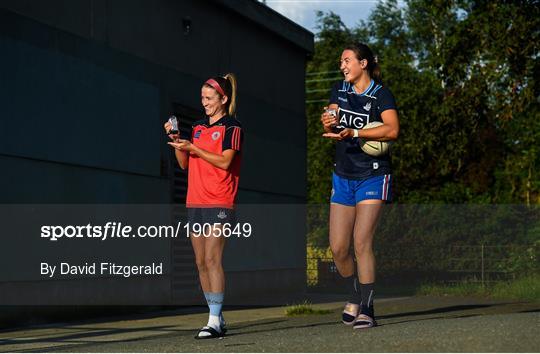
182 157
222 161
388 131
327 120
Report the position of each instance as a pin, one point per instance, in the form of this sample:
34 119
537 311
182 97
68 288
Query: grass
527 289
305 308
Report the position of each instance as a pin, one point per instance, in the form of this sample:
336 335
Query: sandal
223 324
364 321
350 312
212 333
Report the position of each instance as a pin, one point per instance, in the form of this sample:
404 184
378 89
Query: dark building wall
87 85
267 65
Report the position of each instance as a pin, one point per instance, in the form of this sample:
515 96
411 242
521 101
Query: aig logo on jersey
353 119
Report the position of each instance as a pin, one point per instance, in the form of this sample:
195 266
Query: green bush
305 308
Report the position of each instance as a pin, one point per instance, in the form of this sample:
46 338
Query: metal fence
321 272
485 264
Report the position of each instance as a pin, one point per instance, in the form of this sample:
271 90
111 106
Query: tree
465 75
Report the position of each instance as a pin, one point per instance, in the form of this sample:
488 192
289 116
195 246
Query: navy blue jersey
355 111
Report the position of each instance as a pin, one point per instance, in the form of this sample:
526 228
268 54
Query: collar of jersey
216 122
371 83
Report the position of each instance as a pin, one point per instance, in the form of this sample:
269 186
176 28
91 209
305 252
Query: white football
373 147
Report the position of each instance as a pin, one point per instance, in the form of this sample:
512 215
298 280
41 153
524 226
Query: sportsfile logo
221 215
117 230
353 119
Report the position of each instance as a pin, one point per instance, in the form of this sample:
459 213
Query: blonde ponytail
232 99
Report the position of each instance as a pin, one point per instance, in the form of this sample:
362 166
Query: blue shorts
350 192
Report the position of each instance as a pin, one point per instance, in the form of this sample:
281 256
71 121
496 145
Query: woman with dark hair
361 182
212 157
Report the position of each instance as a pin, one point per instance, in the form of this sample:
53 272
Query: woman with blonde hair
212 157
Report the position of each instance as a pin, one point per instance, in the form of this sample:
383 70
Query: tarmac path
413 324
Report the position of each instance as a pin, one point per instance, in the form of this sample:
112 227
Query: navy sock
366 291
354 289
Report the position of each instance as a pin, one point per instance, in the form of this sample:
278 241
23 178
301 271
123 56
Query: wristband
355 133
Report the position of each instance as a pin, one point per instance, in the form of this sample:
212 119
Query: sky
303 11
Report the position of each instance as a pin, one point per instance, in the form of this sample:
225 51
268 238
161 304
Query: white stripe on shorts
385 187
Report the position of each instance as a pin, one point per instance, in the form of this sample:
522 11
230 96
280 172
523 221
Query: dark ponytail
362 51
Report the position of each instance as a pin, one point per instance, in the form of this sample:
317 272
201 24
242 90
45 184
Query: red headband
215 85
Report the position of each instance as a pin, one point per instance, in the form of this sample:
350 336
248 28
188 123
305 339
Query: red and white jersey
210 186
